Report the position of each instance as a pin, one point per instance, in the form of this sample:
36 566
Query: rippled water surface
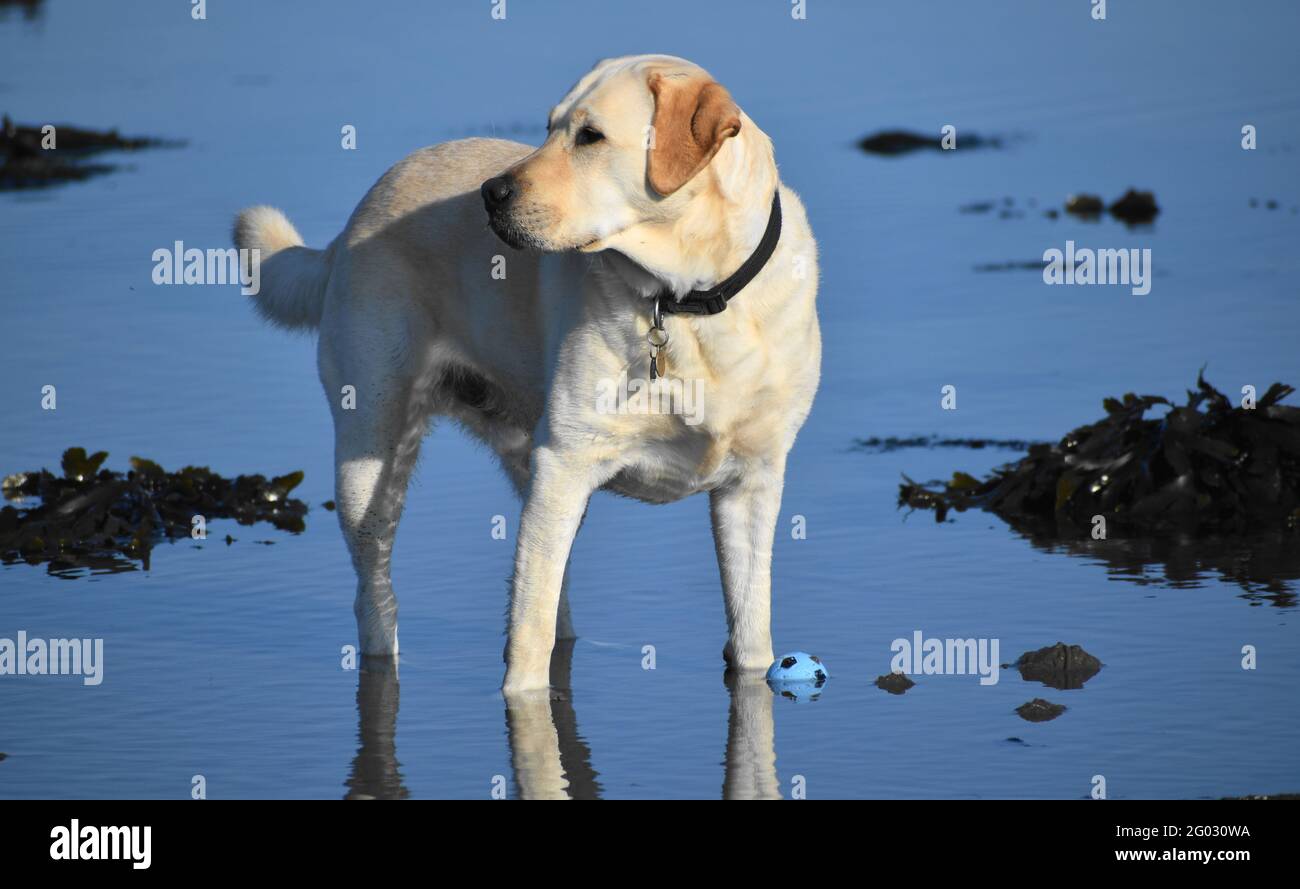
224 660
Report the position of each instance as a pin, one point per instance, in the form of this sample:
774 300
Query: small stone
1084 205
1039 710
1135 207
1058 666
894 683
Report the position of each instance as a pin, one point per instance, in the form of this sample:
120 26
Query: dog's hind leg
380 417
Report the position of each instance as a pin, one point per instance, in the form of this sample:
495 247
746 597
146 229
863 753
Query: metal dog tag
657 337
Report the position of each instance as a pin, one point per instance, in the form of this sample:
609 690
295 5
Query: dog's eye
588 135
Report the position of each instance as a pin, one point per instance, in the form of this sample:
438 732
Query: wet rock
895 142
1135 207
1057 666
894 683
90 517
1206 467
1085 205
1039 710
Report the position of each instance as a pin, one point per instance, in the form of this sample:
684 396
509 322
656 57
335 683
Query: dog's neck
669 261
718 224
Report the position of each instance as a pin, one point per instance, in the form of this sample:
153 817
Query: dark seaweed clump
90 517
24 163
1204 468
894 443
895 142
31 12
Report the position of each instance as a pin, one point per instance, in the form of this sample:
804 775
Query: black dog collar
714 300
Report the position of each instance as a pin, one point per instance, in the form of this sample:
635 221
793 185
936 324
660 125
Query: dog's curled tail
292 281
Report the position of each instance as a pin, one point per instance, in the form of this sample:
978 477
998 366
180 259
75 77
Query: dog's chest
693 430
732 394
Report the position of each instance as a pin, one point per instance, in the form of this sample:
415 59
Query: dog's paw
518 683
747 660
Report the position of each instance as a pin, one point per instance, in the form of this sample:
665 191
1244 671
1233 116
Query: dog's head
635 148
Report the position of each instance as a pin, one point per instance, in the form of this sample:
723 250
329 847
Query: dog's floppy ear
693 115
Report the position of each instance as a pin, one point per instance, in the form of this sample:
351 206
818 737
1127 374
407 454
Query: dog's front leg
558 490
744 522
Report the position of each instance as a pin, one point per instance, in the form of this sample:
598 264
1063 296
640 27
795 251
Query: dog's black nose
497 192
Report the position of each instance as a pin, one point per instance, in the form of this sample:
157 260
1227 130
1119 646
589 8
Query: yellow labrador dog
633 312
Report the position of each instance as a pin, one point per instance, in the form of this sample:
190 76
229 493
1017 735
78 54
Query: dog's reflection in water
751 743
376 773
551 761
548 755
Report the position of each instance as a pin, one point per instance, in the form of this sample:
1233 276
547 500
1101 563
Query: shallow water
224 660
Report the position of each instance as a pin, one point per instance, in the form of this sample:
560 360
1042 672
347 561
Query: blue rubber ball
798 666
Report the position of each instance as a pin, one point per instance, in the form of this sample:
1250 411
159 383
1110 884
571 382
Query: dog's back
425 207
